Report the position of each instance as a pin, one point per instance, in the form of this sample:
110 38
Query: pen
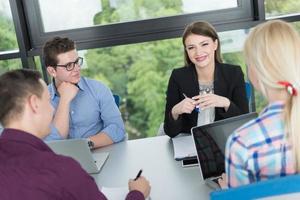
196 108
138 175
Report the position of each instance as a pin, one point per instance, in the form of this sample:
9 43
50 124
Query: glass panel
232 46
297 26
8 40
139 74
277 8
6 65
72 14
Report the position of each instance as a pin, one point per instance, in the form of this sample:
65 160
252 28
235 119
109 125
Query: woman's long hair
273 49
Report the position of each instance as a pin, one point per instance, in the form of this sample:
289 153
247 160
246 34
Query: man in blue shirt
85 108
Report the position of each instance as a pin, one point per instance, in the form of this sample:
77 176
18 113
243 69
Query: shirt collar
53 89
24 137
276 106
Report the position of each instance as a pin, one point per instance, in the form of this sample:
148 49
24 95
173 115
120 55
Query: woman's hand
223 181
211 100
187 105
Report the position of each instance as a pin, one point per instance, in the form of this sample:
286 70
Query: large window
139 73
129 45
73 15
8 40
102 23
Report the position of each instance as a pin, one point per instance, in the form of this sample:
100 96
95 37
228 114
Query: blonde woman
268 147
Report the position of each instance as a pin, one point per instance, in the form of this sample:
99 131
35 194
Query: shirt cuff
116 133
135 195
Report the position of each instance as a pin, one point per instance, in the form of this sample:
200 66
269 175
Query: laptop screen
210 141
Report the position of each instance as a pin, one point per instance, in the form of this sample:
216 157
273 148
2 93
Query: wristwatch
90 143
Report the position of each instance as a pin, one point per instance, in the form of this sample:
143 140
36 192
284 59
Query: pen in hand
197 108
138 175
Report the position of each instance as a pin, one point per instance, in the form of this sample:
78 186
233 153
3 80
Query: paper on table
184 147
116 193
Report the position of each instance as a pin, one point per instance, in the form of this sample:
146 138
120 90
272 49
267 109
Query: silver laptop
210 141
79 150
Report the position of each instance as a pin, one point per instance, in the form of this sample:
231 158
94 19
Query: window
139 74
297 26
232 46
73 15
118 22
278 8
6 65
8 40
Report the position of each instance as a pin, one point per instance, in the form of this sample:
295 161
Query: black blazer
228 82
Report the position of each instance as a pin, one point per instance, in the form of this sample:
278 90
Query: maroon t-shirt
29 169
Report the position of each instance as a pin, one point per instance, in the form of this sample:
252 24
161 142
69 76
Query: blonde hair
273 49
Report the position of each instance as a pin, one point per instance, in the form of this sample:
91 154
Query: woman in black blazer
205 90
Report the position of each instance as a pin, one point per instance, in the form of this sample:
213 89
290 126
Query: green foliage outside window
8 41
139 73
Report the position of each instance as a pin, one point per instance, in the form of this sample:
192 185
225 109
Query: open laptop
210 141
79 150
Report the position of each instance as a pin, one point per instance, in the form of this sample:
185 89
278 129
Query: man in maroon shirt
29 169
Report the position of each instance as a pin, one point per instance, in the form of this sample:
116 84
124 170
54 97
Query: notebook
210 141
183 147
79 150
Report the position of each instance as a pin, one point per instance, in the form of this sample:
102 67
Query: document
184 147
116 193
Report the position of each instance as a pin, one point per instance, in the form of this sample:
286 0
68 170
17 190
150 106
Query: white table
155 156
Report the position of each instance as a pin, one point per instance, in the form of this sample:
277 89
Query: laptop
79 150
210 141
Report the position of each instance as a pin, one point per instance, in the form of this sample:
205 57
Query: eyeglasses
70 66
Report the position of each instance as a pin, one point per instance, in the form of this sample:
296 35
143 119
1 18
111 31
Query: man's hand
141 184
67 91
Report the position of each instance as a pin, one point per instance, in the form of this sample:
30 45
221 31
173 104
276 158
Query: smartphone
189 162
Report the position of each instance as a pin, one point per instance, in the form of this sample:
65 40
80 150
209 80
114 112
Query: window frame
133 31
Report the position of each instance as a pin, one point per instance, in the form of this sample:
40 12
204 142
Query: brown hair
205 29
55 46
15 86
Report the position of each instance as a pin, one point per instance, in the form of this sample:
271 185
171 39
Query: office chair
248 87
161 130
268 188
117 99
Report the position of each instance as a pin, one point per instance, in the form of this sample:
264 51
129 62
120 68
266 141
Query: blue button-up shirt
93 110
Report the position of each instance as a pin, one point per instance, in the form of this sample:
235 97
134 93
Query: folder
184 147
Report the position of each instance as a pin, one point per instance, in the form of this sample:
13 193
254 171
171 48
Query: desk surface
155 156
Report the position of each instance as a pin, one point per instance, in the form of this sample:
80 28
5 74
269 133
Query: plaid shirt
258 150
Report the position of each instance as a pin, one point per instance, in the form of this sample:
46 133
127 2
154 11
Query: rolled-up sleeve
113 124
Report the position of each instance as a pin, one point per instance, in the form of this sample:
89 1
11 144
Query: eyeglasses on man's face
70 66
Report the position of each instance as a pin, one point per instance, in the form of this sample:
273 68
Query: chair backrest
117 99
248 90
161 130
249 93
272 187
